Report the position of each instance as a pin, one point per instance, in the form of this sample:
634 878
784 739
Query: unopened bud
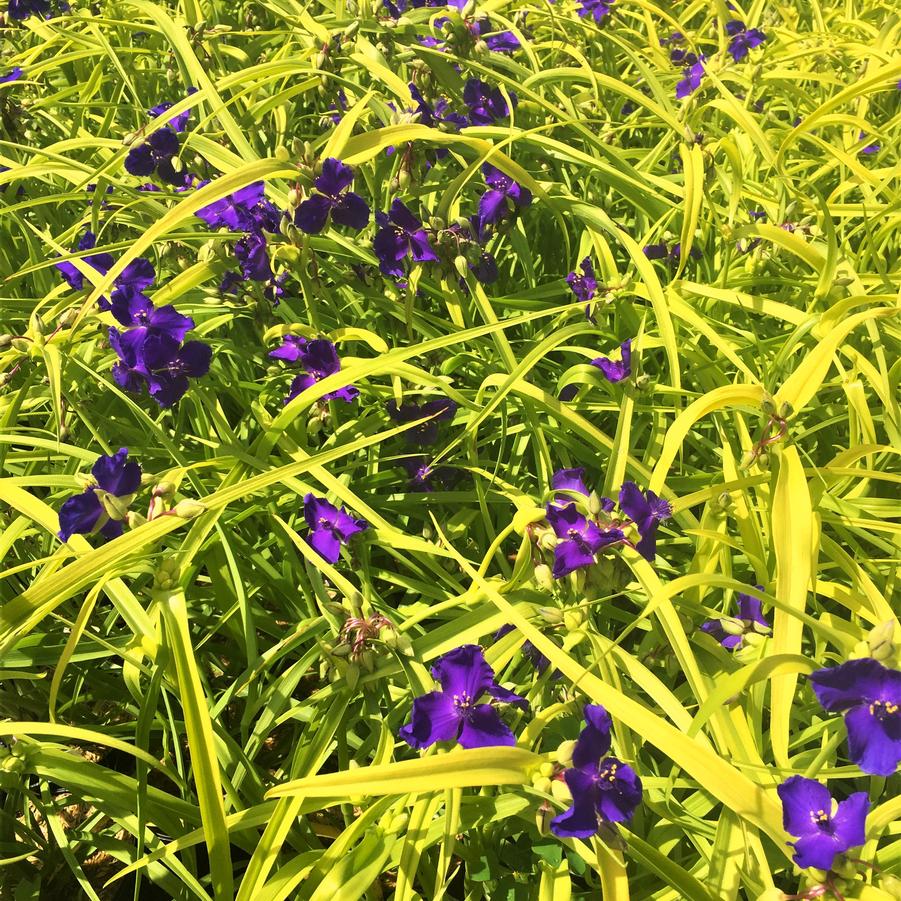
115 507
461 264
548 540
732 626
188 509
594 503
294 198
768 406
282 153
573 618
544 578
133 519
564 753
542 784
550 615
67 319
560 790
5 341
786 410
403 179
164 489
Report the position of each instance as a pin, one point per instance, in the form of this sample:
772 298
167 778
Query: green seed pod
188 509
549 614
461 265
544 577
116 508
5 341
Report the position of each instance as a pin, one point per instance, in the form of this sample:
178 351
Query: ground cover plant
449 451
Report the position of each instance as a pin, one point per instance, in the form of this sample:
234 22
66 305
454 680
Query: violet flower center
608 773
464 702
882 710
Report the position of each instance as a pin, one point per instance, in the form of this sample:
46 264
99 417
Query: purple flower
743 39
646 511
454 713
870 696
749 612
426 477
494 205
330 527
400 234
868 148
85 513
486 104
178 123
245 210
170 364
807 814
485 270
319 359
584 286
616 371
253 257
102 262
569 480
133 310
580 538
155 155
501 42
597 9
13 75
22 9
691 76
605 790
346 207
440 410
438 115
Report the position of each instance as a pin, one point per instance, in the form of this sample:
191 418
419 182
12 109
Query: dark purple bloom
85 512
13 75
426 477
438 115
568 392
616 370
584 286
822 835
253 257
605 790
569 480
102 262
743 39
657 251
749 612
136 311
155 155
170 364
454 714
870 696
245 210
486 104
330 526
346 207
868 148
581 539
495 204
180 122
22 9
597 9
691 76
440 410
400 233
501 42
646 511
319 359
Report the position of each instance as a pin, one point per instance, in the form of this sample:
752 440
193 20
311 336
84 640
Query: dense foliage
449 451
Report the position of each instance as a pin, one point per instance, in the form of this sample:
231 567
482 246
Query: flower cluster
156 153
742 39
730 633
318 359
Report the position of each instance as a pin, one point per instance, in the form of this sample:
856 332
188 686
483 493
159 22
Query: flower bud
67 319
23 345
786 410
542 784
881 641
564 753
547 541
294 198
133 519
5 341
550 615
732 626
115 507
768 406
461 265
544 578
891 885
164 489
403 179
573 618
594 504
560 791
188 509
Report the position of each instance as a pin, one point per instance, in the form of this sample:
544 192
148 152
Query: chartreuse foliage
204 700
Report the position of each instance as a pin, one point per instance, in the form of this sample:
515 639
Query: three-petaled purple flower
646 511
90 511
822 835
691 76
400 234
495 204
346 207
440 410
580 538
616 370
136 311
155 155
102 262
319 359
454 713
245 210
597 9
605 790
330 526
751 616
486 103
742 39
583 285
870 696
426 477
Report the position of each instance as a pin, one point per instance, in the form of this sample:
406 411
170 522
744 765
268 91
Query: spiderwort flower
85 513
581 538
155 155
597 9
486 103
584 286
616 371
646 511
822 835
319 359
170 364
743 39
346 207
869 694
867 149
426 477
330 527
454 713
495 204
440 410
178 123
244 210
569 480
135 311
750 614
400 234
691 76
253 257
22 9
605 790
13 75
102 262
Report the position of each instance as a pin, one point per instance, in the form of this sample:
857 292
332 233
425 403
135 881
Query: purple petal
492 207
464 671
594 740
483 728
570 480
194 359
570 556
420 247
839 687
326 543
874 737
140 161
581 820
619 790
434 718
79 515
312 214
849 821
164 142
351 210
801 798
117 476
138 274
335 178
